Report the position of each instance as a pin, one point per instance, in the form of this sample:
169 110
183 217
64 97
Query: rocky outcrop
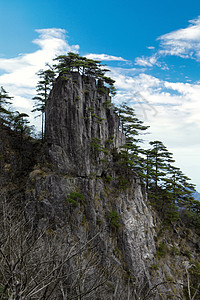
81 125
83 136
76 185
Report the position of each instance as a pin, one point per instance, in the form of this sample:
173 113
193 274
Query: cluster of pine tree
65 64
168 189
15 120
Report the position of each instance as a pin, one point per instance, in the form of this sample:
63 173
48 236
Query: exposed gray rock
82 131
78 115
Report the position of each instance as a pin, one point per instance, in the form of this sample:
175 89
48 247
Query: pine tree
132 127
87 67
47 78
20 123
148 168
160 158
4 102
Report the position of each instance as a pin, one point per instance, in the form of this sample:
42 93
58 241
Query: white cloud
105 57
150 47
20 76
183 42
172 109
146 61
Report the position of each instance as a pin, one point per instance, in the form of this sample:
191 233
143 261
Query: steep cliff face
76 185
79 120
83 137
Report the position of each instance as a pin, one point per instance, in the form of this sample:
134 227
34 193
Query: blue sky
151 47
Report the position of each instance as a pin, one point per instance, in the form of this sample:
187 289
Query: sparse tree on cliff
47 78
132 127
19 123
4 102
160 157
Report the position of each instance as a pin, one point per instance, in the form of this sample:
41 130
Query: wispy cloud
105 57
19 75
182 42
150 47
172 108
148 61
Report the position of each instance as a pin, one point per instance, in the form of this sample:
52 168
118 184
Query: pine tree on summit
88 67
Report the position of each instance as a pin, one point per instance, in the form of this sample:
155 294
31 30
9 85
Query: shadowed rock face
79 115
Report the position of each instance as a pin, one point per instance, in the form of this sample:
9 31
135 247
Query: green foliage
132 127
155 267
107 104
99 119
171 213
96 144
187 253
174 251
97 147
167 187
101 91
109 142
75 198
15 120
87 67
162 250
92 175
19 122
190 218
114 218
112 90
99 222
108 178
161 201
44 85
86 92
4 103
91 109
71 200
64 78
158 159
123 183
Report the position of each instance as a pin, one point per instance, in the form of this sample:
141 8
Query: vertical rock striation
78 115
